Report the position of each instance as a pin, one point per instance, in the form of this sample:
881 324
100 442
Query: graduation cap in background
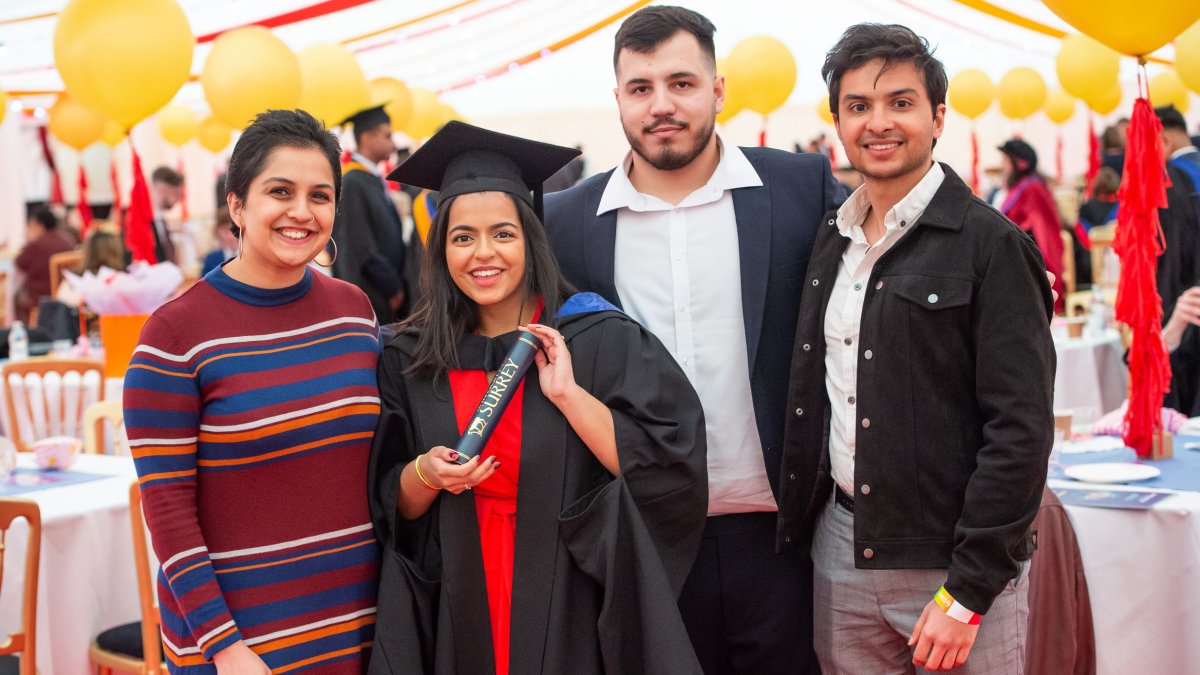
462 158
365 120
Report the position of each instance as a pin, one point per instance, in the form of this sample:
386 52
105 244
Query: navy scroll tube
500 391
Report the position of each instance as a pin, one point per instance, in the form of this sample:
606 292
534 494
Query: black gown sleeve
638 535
410 571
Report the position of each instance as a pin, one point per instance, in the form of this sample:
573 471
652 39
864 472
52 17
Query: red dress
495 500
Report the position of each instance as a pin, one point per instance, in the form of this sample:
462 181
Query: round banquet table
86 580
1091 378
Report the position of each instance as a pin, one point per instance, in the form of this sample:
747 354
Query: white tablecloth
86 582
1091 377
1143 573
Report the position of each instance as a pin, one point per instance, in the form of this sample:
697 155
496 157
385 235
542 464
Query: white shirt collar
1185 150
853 213
365 162
733 171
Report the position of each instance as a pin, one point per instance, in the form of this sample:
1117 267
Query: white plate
1114 472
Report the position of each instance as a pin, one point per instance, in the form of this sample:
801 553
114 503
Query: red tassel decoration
974 160
1138 243
85 209
56 194
139 237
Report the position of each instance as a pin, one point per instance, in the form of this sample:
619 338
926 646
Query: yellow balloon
333 86
765 71
125 59
1128 27
1107 102
74 124
177 124
733 104
214 134
823 110
1022 91
113 134
426 116
1167 89
394 96
1086 68
971 92
1059 107
1187 57
3 106
249 71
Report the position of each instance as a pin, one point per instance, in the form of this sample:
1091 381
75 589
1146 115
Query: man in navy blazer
707 244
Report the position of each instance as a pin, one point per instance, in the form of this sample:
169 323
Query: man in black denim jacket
921 390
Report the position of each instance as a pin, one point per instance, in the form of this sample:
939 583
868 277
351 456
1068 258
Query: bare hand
237 659
1186 313
1051 278
555 372
396 300
440 469
941 642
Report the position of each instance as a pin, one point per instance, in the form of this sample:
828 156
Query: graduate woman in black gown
563 546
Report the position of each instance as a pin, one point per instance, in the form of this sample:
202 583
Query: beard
666 158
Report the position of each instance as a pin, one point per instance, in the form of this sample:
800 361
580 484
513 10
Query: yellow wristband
417 466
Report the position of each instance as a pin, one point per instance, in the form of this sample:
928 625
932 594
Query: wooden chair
67 260
1102 240
96 418
46 397
24 642
116 658
1068 274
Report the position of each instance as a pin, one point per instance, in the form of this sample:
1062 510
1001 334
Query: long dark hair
444 313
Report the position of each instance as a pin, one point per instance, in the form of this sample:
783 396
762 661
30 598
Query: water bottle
18 342
1097 320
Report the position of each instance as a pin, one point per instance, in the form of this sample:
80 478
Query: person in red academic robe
563 545
1030 205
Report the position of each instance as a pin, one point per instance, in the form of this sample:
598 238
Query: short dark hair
1171 118
649 27
274 129
444 313
893 43
44 217
165 174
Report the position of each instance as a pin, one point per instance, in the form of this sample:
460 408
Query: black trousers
748 610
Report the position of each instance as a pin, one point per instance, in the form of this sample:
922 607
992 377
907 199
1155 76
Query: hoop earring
331 260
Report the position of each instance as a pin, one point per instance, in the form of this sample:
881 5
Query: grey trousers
862 619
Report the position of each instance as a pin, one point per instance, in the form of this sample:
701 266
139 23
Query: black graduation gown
1177 266
370 242
599 560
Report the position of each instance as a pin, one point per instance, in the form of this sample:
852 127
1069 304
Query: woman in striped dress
250 404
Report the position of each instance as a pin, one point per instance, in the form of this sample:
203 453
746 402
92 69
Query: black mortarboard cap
461 158
1022 153
364 120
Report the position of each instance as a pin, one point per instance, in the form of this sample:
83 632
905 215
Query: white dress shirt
1185 150
843 316
678 273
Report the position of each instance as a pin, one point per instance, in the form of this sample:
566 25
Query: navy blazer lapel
601 238
752 210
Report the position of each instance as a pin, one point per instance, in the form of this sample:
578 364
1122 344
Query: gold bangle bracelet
420 476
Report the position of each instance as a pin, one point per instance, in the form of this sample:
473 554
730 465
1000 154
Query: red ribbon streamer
762 134
117 216
139 238
85 209
1138 243
1093 155
311 12
56 194
1058 155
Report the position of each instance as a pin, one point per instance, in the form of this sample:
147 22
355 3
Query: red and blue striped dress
250 414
